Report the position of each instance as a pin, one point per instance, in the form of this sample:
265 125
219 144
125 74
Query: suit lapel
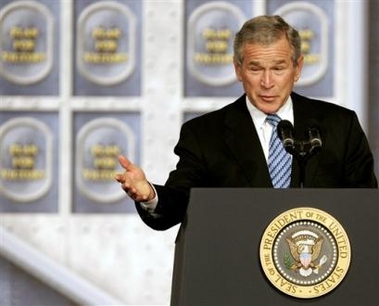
238 130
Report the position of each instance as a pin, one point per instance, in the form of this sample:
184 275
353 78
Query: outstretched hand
133 181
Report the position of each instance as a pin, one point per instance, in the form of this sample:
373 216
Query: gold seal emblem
305 252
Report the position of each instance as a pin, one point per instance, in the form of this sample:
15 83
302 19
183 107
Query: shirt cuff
150 206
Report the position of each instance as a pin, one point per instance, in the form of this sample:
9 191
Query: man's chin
269 108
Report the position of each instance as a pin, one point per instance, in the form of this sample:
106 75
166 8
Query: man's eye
255 69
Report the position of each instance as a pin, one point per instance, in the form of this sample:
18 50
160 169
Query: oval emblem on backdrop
305 252
106 42
98 144
211 30
26 164
26 45
312 24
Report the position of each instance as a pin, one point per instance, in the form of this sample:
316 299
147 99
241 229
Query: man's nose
266 80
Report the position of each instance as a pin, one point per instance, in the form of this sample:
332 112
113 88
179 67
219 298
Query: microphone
314 139
285 132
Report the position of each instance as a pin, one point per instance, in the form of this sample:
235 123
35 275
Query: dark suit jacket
222 149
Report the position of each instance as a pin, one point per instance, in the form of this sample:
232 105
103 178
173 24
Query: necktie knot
273 119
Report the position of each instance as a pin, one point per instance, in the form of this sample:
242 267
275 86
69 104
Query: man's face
268 74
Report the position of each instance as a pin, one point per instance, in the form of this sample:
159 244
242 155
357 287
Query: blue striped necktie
279 160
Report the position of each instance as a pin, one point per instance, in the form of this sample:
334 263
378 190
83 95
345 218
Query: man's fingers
133 180
124 162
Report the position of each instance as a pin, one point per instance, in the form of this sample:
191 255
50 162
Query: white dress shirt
264 129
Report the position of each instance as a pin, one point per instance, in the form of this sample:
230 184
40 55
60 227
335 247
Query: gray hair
266 30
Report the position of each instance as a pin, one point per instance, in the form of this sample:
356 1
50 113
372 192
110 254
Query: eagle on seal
305 248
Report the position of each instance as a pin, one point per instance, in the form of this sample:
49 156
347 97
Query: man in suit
230 147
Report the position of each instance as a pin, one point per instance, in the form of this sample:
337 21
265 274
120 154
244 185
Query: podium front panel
217 252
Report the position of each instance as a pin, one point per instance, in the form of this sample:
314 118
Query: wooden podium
217 258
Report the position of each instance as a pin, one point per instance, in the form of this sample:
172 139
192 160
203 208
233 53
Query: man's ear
299 67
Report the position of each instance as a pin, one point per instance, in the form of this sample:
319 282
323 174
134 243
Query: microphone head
285 132
314 139
285 124
314 136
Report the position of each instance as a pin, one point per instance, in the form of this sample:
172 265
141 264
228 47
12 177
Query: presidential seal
305 252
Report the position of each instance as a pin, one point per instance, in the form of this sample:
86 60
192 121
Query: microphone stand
302 151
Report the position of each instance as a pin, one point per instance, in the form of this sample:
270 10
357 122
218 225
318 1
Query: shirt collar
259 117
